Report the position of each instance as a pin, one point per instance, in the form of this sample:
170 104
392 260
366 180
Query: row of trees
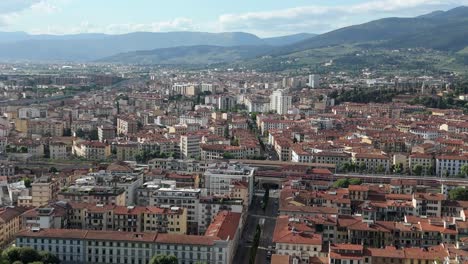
345 183
16 255
418 169
147 155
360 167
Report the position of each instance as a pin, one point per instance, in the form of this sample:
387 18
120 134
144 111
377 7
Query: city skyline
263 18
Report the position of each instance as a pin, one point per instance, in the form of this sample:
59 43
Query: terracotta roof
294 233
186 239
224 225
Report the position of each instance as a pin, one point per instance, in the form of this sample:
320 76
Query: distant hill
189 55
439 30
19 46
287 40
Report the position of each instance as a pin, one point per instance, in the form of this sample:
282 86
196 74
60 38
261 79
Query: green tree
355 181
341 183
164 259
362 167
458 194
417 169
11 254
27 182
228 155
23 149
345 167
464 170
398 168
53 170
28 255
80 133
380 168
93 134
49 258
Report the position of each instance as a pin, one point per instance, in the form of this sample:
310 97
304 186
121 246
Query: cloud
177 24
10 10
322 18
13 6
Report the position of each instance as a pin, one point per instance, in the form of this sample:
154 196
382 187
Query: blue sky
261 17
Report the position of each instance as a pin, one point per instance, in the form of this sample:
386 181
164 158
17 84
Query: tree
341 183
398 168
27 182
345 167
93 134
53 170
80 133
11 254
28 255
49 258
228 155
417 169
355 181
464 170
362 167
164 259
380 168
458 194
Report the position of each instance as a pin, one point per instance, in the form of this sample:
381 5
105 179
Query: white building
314 81
190 146
165 193
450 165
279 102
219 178
73 246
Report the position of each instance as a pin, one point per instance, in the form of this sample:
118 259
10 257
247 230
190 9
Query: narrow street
255 216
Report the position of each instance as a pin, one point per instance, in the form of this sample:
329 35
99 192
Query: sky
265 18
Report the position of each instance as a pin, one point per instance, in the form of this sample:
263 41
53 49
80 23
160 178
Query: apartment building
107 217
92 150
59 150
294 238
450 165
373 162
190 146
10 224
106 132
126 125
165 193
44 190
88 246
221 177
93 195
186 89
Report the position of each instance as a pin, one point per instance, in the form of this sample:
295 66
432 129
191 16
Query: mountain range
20 46
445 31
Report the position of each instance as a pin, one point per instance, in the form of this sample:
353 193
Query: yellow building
43 191
10 224
21 125
91 150
127 151
173 220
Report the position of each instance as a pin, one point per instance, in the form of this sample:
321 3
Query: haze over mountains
445 31
87 47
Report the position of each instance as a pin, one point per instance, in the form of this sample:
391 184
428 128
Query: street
255 216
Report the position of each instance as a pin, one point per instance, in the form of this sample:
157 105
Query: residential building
280 102
217 246
43 190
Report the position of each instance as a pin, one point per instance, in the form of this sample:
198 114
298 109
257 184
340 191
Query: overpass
279 164
277 177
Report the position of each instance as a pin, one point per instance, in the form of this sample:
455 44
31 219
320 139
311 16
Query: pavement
256 215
